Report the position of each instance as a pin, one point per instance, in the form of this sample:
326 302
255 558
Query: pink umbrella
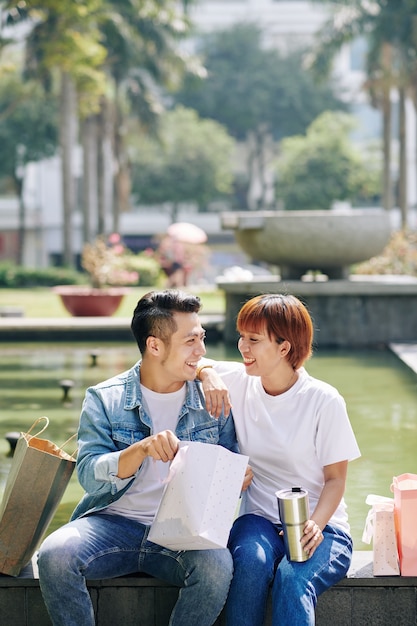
187 233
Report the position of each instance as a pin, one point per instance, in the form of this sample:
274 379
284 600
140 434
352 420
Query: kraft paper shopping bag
380 529
200 499
404 488
39 473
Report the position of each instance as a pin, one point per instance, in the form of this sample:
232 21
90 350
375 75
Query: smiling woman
296 432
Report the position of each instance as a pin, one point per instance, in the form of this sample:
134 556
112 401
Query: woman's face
261 354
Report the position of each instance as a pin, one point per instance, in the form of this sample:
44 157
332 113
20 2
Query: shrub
398 257
148 269
108 262
16 276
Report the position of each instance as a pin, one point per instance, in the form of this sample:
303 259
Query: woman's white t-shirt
289 438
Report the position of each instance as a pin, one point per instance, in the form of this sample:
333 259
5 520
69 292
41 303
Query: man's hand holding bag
200 499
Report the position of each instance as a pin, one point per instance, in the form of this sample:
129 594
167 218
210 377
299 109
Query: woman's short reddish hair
283 317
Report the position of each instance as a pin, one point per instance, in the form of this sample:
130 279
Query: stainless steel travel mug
293 510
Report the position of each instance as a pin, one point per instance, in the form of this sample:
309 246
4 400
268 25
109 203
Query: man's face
180 357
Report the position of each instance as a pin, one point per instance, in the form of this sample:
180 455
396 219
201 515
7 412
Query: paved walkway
85 328
407 352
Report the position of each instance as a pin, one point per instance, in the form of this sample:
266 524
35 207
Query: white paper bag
200 499
380 529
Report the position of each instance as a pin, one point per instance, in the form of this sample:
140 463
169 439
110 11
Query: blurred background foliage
160 121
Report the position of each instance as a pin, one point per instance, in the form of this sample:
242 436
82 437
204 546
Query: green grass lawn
42 302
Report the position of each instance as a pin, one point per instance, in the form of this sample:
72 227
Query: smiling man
130 428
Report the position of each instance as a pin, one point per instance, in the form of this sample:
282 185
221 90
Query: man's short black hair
154 314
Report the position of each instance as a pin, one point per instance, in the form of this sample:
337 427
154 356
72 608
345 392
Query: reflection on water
380 392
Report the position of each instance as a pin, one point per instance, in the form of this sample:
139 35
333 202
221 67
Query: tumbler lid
291 494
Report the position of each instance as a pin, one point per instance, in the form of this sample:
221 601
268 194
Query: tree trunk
260 137
105 168
250 145
122 176
68 138
402 182
387 197
90 178
18 183
173 212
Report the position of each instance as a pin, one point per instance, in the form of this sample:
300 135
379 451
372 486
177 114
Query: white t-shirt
141 500
289 438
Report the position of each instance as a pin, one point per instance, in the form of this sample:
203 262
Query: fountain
297 241
12 438
66 385
347 310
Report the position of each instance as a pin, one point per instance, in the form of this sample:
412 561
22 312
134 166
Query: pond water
380 392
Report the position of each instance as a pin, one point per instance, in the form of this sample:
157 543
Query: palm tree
62 46
110 58
387 26
142 56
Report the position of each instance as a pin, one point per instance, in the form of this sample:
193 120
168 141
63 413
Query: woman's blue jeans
260 565
106 546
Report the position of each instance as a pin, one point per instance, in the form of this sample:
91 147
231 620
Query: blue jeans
106 546
260 564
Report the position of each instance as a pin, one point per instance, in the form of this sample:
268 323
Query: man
130 428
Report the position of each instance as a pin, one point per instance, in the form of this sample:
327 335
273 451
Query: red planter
88 302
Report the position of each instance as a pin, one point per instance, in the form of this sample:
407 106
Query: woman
296 432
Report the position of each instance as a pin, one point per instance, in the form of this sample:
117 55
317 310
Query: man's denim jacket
113 417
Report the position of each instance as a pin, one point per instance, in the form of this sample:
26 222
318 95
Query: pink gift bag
404 488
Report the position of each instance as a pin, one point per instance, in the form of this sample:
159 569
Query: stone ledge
358 599
356 284
86 328
347 313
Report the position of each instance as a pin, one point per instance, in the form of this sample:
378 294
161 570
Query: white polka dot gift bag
380 529
201 498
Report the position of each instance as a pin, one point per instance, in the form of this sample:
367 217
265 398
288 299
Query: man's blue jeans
106 546
260 564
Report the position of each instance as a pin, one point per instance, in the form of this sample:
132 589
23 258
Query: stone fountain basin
298 241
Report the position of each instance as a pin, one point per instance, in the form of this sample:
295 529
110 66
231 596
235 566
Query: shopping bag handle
46 420
67 441
35 423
